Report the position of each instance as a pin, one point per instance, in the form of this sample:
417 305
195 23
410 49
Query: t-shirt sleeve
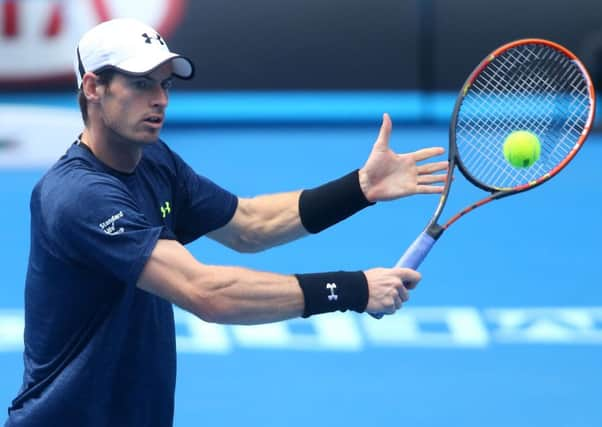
203 205
98 224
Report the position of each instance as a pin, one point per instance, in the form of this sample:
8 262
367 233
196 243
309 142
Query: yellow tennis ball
522 148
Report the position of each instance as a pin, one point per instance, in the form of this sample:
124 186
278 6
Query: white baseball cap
129 46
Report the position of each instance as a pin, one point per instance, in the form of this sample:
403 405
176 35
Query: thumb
384 135
408 275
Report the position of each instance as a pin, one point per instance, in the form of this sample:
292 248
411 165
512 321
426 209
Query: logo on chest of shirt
109 225
165 209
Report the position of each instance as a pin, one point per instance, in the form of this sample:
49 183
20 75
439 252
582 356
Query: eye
167 84
142 84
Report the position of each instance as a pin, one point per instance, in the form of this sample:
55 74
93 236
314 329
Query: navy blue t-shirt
99 351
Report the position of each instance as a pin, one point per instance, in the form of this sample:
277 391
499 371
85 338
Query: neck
112 149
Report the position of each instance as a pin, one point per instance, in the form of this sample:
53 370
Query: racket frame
419 249
433 228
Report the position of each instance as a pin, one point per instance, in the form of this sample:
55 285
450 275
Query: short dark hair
104 77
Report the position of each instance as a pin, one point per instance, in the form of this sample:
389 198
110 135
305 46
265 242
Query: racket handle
413 257
417 252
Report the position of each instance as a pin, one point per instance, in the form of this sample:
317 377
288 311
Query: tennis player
109 222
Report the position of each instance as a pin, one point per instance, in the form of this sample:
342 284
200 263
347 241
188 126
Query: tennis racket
532 85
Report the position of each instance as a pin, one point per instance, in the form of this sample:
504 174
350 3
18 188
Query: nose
160 97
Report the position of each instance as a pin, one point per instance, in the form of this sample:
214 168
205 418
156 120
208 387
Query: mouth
154 120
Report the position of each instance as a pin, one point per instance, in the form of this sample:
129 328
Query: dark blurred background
308 44
382 44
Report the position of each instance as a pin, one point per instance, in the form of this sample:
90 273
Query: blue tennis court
505 328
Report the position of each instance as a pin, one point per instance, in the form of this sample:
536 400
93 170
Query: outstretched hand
387 175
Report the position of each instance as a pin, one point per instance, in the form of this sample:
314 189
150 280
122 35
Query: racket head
529 84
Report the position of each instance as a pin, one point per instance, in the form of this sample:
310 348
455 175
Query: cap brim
182 66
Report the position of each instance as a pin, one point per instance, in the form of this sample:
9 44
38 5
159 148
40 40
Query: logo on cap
150 39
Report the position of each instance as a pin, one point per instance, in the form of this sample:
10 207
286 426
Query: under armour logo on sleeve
165 210
148 39
331 287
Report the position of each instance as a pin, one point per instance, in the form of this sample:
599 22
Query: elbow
206 306
209 313
215 314
211 305
248 243
208 316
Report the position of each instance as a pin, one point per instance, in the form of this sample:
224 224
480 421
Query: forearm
263 222
241 296
237 295
219 293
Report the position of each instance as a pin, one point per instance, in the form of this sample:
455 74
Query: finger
403 293
431 179
408 285
391 308
427 153
398 302
408 275
429 189
433 167
411 283
384 135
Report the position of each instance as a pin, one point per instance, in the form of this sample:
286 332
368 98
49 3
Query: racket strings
490 106
520 90
536 81
529 87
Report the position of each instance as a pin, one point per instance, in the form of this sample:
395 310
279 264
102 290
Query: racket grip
413 257
417 252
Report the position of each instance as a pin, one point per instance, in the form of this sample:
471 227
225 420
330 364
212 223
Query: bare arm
266 221
241 296
219 293
262 222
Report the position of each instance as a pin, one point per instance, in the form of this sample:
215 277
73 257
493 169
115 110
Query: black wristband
337 290
328 204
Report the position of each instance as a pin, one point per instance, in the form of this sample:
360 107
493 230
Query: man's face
133 107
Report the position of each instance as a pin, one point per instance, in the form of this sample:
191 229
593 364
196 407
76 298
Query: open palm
387 175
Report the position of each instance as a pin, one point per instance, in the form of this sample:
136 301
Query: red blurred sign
38 37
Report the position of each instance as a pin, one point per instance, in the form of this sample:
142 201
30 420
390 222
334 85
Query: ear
90 87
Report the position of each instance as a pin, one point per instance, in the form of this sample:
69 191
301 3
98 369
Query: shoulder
74 183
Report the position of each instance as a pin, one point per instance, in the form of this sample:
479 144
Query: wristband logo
331 287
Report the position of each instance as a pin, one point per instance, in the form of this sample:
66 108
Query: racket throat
435 231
